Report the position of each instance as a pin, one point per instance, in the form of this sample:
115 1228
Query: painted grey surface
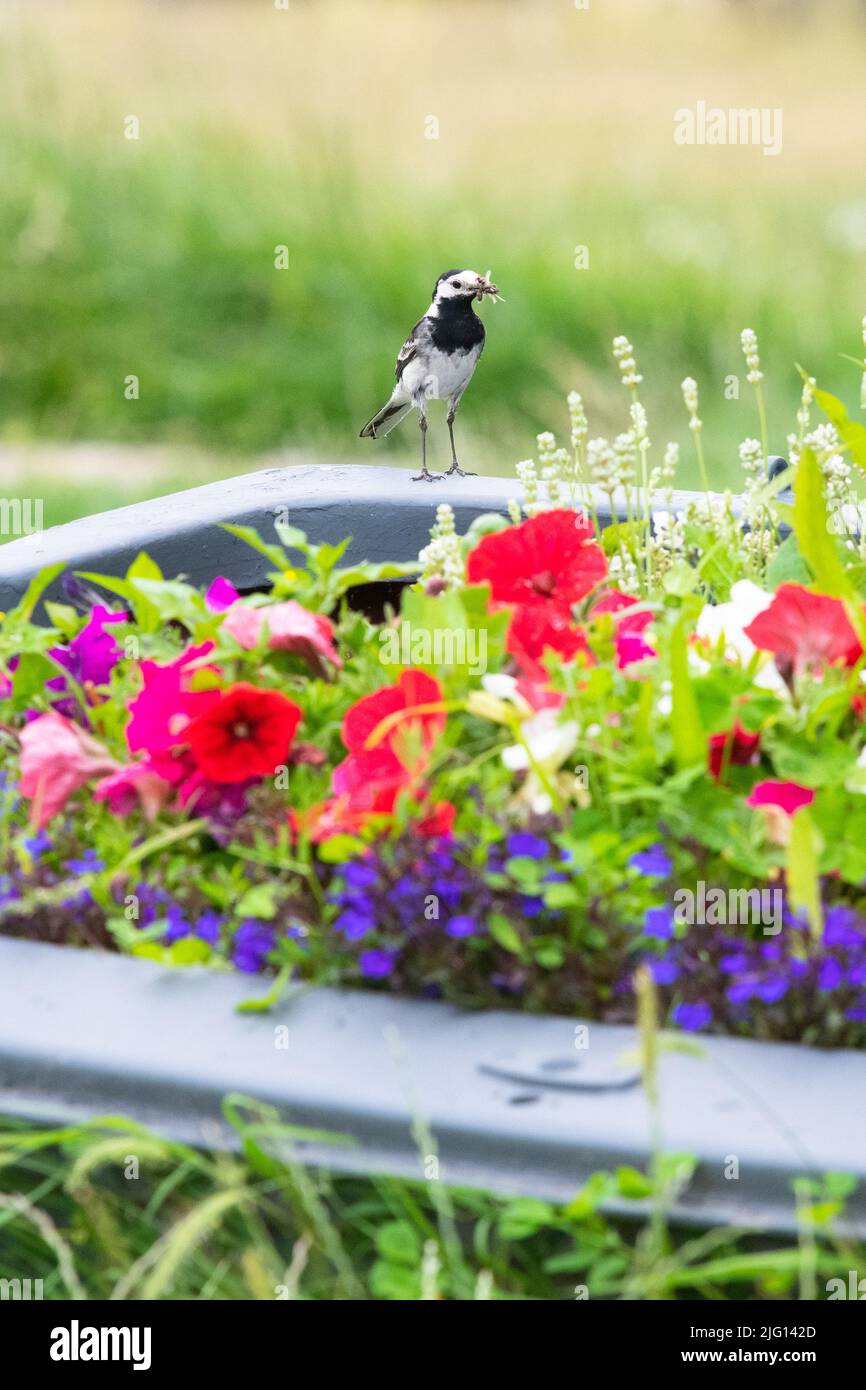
387 514
512 1104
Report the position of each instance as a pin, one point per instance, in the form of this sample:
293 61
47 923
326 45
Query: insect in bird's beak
486 286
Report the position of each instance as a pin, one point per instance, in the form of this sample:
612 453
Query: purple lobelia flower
664 972
653 862
358 873
37 844
377 964
659 922
692 1017
252 943
207 928
87 863
178 925
524 845
354 924
461 925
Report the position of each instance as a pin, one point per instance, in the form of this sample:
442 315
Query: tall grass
109 1210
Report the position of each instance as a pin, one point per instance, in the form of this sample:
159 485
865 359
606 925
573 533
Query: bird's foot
425 477
461 473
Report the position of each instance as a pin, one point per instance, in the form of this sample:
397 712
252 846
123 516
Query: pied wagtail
437 360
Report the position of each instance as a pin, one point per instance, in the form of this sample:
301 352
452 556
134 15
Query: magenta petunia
783 796
221 595
166 704
92 654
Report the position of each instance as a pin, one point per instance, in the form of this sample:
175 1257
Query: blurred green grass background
308 128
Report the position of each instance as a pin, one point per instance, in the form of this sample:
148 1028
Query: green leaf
801 869
681 579
817 762
487 524
274 553
399 1243
549 954
633 1184
23 610
817 544
505 934
172 599
293 537
143 567
259 901
851 432
28 682
263 1002
66 619
453 634
340 849
326 556
690 744
558 895
598 1188
395 1283
788 566
190 950
525 1217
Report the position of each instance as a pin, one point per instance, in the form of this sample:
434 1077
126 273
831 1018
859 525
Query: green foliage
255 1224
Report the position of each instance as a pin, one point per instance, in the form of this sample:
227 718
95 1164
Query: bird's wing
419 335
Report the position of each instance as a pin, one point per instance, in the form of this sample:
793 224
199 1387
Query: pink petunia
57 758
291 628
782 796
808 630
133 785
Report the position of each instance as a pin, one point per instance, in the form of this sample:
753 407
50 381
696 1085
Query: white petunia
548 743
725 622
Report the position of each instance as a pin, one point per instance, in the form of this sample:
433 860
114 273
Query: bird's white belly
436 376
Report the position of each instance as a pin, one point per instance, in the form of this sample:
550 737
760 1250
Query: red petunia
246 733
735 747
413 728
534 631
389 736
550 561
804 629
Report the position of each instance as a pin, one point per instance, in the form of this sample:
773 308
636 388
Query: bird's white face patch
460 285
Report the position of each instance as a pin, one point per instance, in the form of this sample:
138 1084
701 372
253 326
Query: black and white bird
437 360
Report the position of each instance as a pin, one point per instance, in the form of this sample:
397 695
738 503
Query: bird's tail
385 419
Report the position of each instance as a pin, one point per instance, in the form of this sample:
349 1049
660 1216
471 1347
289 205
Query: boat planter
387 515
516 1102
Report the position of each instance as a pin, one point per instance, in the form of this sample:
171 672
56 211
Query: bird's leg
424 476
455 466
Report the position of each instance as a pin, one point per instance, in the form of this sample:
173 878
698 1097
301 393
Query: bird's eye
456 285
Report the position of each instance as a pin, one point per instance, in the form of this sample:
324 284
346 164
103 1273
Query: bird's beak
486 286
